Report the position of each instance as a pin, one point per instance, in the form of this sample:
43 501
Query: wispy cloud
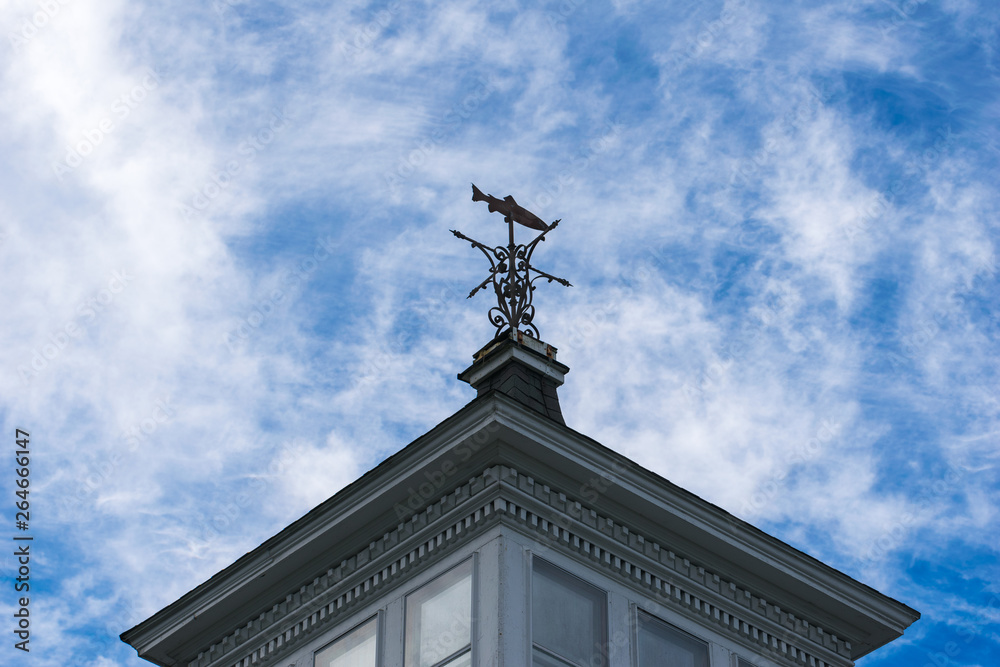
224 239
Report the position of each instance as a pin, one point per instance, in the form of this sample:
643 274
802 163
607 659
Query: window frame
379 640
570 573
638 611
473 561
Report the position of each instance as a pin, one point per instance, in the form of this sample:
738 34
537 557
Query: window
439 621
661 645
355 649
568 618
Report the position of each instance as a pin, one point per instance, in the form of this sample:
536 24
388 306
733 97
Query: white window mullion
392 650
619 631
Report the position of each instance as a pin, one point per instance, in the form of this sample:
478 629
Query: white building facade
503 537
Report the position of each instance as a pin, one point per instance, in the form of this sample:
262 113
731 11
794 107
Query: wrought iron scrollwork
511 272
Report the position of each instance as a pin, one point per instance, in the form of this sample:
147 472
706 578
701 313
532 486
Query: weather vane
510 267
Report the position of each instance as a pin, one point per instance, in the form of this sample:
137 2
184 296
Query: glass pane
661 645
567 615
355 649
439 618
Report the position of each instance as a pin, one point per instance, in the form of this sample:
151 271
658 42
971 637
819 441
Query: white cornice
501 494
505 433
344 516
444 526
751 551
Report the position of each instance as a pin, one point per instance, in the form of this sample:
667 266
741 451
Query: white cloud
722 253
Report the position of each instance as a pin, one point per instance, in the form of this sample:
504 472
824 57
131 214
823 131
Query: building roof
502 458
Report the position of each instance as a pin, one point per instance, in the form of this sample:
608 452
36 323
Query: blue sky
230 287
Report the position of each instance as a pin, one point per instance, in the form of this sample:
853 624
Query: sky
229 285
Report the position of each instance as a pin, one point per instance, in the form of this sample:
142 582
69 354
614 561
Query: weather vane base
511 270
523 339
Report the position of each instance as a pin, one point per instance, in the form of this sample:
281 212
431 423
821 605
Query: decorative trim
517 500
702 594
329 596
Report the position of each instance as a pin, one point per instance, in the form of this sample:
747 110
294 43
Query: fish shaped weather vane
510 267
